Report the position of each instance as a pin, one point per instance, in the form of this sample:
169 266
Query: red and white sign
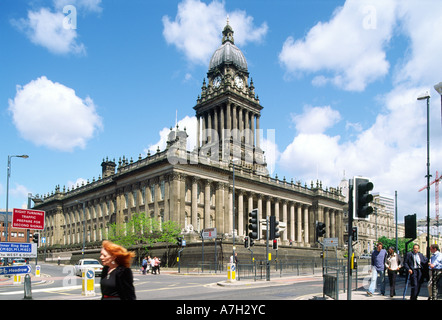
28 219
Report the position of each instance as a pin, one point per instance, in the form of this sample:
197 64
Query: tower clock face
238 82
217 82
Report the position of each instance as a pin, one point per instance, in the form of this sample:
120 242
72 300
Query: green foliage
386 242
144 231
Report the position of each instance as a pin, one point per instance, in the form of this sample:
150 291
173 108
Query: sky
85 80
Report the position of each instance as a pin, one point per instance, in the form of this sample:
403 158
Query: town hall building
215 185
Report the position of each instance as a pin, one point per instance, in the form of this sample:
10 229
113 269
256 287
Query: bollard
231 272
27 287
37 271
88 284
17 279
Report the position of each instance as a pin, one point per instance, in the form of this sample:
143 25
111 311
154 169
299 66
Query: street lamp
426 96
233 222
84 225
24 156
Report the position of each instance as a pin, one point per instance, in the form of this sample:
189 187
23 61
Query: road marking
68 288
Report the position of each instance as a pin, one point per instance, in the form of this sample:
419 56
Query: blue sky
338 81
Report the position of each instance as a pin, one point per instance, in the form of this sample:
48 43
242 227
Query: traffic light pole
350 237
267 249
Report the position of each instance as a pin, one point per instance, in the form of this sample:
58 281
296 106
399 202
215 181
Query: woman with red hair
117 278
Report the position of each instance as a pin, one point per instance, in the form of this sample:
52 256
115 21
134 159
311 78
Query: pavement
357 294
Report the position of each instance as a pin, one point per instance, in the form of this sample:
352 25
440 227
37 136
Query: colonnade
228 120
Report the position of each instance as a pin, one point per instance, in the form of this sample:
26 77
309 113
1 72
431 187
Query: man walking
415 264
377 269
435 265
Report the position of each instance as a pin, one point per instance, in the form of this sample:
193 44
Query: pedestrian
435 265
415 264
378 257
393 264
157 264
149 264
152 264
144 265
116 278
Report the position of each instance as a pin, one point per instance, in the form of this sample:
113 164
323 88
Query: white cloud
50 114
57 30
45 28
196 30
316 119
348 50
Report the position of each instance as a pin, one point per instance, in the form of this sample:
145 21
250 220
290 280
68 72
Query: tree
143 232
387 242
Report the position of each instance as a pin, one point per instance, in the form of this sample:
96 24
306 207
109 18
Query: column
299 224
235 123
247 127
209 126
306 226
207 204
215 122
252 142
257 132
240 125
327 223
284 219
292 221
240 213
204 133
333 223
198 131
194 202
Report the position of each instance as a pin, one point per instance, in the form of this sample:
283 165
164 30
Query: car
84 264
18 262
365 256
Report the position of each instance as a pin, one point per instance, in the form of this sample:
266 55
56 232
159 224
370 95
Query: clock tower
228 111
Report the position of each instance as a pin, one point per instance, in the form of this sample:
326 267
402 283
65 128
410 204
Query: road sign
330 242
88 283
18 250
15 270
209 233
28 219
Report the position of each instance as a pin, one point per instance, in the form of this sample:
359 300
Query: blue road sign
15 270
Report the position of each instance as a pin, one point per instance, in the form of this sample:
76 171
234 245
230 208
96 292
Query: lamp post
84 225
426 96
234 215
24 156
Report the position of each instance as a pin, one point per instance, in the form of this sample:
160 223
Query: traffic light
410 226
274 234
179 242
320 230
275 244
362 198
254 225
35 238
354 233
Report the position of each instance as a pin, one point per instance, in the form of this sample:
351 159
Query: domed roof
228 53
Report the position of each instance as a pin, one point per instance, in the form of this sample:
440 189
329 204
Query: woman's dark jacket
124 282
